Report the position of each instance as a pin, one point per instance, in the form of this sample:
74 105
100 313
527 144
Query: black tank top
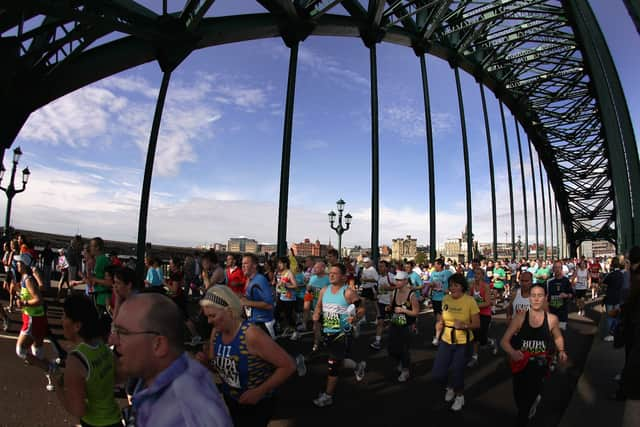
534 340
401 319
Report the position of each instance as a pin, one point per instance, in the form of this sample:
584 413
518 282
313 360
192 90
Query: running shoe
360 370
458 403
53 369
301 328
197 340
323 400
449 395
534 407
376 345
608 338
294 336
5 325
300 366
494 346
315 348
404 376
435 341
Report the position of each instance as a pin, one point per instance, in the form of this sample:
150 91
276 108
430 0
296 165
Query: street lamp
11 190
339 229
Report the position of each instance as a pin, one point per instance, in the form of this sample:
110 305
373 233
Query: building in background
267 248
242 245
308 248
404 248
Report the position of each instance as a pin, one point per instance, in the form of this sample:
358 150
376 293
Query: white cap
401 275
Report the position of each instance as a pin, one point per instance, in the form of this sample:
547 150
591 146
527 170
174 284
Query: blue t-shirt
154 277
415 280
439 284
302 289
259 289
316 283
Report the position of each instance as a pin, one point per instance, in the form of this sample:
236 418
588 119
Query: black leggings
483 331
399 343
527 385
287 313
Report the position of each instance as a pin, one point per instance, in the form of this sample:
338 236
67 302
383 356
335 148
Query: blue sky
217 167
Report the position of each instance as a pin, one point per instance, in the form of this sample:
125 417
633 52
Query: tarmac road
379 400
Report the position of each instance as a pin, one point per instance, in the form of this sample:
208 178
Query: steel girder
533 54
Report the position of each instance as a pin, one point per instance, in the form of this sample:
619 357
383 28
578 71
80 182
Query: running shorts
36 327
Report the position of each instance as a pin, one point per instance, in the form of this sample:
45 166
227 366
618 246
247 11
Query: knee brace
37 351
334 368
21 351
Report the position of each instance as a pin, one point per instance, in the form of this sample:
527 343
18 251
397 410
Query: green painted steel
375 164
524 188
468 232
633 6
545 60
510 179
492 179
544 212
285 165
535 200
148 173
616 122
430 162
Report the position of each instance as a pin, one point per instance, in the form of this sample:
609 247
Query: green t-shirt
101 409
542 275
499 277
102 292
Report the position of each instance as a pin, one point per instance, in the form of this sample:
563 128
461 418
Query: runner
258 300
481 293
460 315
527 341
34 320
63 267
285 288
438 286
250 364
368 287
520 301
318 281
385 285
404 309
86 389
499 279
581 282
234 277
595 275
559 292
340 307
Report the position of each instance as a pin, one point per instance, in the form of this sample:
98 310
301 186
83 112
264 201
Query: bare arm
261 345
71 390
318 310
352 296
512 329
558 339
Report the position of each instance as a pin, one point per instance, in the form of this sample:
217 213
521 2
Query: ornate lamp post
339 229
11 190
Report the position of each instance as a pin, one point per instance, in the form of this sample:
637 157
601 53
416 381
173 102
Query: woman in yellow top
460 315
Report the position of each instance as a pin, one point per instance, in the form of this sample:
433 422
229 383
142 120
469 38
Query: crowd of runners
233 316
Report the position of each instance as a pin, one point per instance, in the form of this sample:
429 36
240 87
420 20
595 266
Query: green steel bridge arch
545 60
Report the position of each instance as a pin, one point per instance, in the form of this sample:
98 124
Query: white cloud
121 109
408 122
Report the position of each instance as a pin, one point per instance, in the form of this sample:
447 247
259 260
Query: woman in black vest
528 341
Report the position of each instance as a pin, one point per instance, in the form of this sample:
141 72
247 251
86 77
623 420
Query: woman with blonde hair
250 364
